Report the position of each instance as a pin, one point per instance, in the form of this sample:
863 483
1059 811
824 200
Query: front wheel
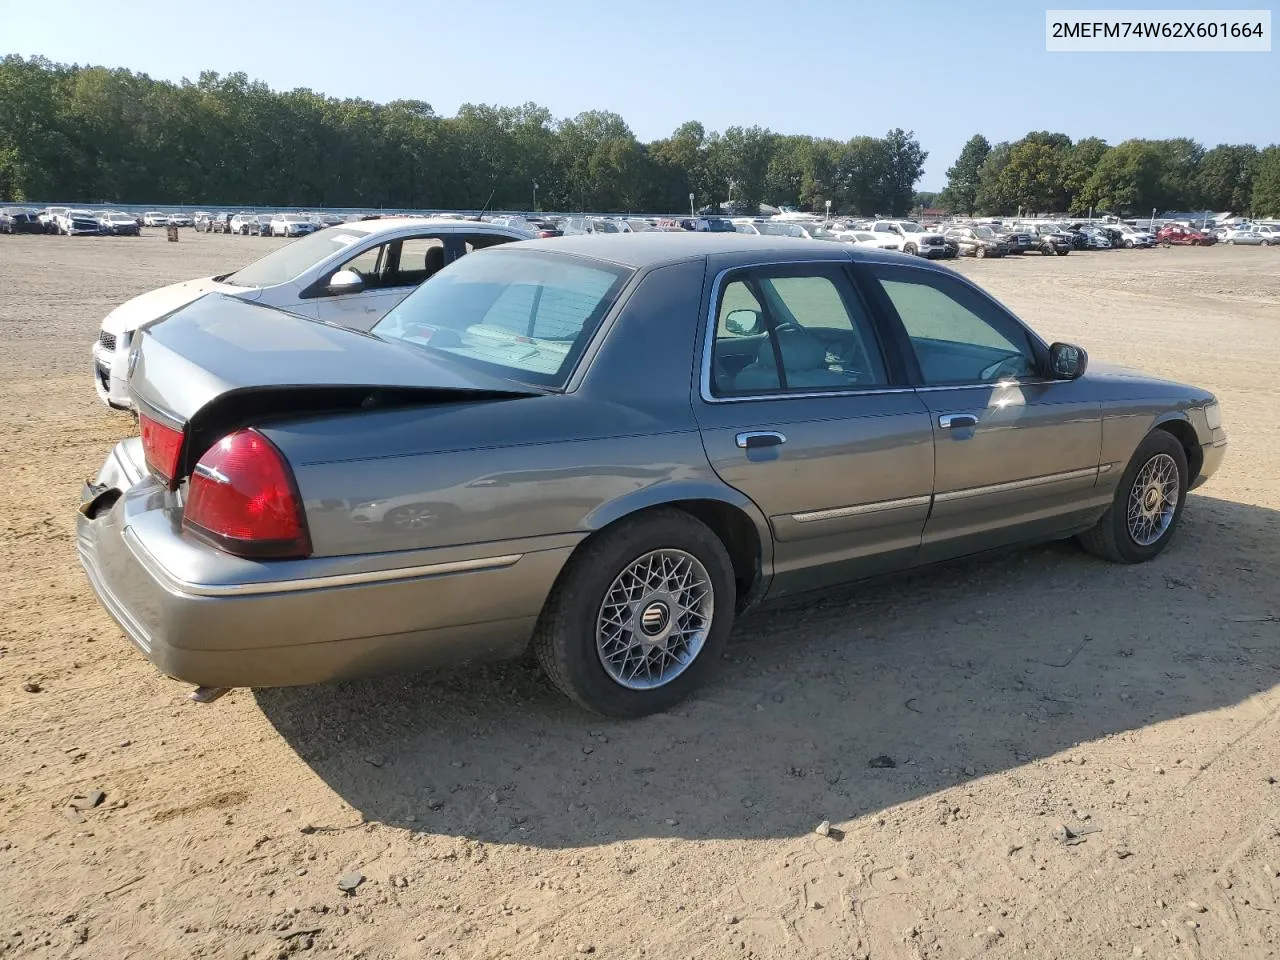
980 252
638 618
910 249
1147 506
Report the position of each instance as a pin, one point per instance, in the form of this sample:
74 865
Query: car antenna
487 202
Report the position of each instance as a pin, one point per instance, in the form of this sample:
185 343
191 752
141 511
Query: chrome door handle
755 439
957 420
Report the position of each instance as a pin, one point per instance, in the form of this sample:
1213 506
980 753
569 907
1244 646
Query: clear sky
835 68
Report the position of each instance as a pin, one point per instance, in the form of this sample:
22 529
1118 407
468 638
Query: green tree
1128 179
961 192
1224 180
1078 165
992 196
1266 183
904 160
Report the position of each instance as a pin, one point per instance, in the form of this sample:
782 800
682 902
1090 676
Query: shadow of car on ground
954 672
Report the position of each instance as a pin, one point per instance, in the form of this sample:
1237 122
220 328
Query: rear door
1017 454
802 409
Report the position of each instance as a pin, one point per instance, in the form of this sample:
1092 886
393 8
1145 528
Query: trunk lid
221 363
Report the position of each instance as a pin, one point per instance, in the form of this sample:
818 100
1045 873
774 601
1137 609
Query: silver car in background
603 448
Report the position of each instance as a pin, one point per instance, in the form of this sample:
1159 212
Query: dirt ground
490 818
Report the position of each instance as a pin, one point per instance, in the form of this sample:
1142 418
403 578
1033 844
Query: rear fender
684 490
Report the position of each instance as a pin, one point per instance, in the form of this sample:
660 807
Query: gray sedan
604 448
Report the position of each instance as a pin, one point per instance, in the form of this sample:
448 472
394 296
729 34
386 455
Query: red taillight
242 499
161 446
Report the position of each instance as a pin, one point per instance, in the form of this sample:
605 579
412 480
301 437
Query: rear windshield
526 317
293 259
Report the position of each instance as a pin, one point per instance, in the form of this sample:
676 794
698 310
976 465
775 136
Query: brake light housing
161 448
242 499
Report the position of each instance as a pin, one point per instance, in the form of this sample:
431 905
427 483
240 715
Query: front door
1017 454
798 410
391 271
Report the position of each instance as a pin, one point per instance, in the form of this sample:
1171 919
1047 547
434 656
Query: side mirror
744 323
346 281
1067 361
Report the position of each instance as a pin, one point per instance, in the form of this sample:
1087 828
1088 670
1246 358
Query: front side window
793 331
525 317
958 335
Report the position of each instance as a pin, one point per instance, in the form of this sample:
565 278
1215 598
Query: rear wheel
1147 506
638 618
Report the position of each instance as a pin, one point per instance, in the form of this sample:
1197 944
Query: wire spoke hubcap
655 619
1153 500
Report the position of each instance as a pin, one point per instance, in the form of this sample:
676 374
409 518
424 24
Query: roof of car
641 250
388 224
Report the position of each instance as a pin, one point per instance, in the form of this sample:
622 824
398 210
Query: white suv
292 225
349 275
913 238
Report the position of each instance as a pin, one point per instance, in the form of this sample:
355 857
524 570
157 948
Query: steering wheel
1012 366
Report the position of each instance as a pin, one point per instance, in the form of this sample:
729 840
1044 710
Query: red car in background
1174 234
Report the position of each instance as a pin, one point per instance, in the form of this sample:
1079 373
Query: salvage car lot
1014 695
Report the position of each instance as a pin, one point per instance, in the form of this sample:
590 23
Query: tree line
1046 172
96 134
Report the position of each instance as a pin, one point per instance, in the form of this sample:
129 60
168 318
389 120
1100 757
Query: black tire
1266 243
1063 252
980 252
1110 537
564 639
1046 250
910 249
1128 244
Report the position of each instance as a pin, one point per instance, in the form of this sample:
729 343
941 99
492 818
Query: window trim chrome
708 340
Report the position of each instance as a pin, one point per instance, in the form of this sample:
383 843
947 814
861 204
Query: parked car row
68 221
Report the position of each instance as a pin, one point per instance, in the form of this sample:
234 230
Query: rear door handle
948 420
755 439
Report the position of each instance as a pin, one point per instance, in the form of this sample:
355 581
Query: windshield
911 228
986 233
281 266
293 218
522 316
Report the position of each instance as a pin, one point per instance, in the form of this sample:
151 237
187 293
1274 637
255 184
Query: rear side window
790 330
